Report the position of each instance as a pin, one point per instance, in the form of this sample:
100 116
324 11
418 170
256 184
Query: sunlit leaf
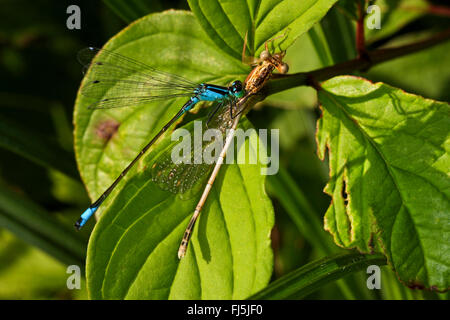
389 160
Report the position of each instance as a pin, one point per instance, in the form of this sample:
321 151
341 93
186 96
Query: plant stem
360 42
311 277
365 62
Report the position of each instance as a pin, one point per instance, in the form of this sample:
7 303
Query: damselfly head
237 89
283 68
264 55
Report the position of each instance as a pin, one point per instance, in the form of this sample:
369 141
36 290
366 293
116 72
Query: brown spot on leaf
275 239
106 129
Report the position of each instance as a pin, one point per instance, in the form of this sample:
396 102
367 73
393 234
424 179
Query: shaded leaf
340 35
389 160
420 72
394 15
227 22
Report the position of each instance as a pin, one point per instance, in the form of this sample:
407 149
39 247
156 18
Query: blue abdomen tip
87 214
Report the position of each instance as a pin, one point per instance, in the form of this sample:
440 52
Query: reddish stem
360 41
439 10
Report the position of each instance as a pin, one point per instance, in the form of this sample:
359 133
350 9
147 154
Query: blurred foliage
38 84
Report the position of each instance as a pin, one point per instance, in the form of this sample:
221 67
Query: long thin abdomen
93 207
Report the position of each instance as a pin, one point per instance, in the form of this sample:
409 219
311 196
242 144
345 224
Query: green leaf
320 43
227 22
339 32
350 8
314 275
107 140
230 255
389 160
133 250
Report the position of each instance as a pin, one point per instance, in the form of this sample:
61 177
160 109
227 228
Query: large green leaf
389 164
229 257
107 140
227 22
133 250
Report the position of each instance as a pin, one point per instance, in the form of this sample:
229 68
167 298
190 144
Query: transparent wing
181 177
114 80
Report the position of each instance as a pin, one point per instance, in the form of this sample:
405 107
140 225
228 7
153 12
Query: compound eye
284 68
237 86
264 55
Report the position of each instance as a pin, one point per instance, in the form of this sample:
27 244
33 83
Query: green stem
314 275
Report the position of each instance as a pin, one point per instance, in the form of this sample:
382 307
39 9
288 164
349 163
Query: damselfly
255 81
264 66
114 81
